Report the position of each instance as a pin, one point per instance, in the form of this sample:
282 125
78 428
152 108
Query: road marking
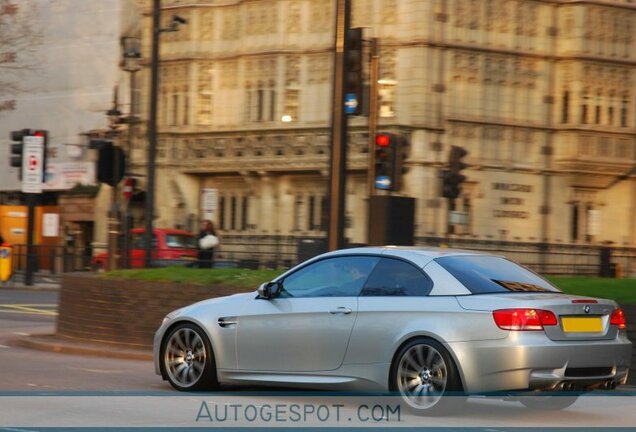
27 309
3 346
22 334
101 371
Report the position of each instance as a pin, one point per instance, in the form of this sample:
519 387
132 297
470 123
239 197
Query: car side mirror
269 290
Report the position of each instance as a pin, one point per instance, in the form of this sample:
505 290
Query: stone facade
540 93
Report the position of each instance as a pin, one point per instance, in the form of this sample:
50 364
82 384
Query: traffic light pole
373 125
338 165
30 256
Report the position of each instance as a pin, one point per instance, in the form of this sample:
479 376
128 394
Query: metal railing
270 251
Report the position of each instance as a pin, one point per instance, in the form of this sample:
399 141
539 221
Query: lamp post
152 133
131 57
152 123
114 116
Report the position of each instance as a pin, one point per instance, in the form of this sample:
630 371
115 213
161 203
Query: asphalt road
46 389
34 312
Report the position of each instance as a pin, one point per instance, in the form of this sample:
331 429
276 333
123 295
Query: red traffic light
383 140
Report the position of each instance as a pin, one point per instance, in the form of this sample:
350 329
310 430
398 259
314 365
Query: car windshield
181 241
490 274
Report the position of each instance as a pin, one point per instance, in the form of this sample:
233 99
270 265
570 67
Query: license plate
582 324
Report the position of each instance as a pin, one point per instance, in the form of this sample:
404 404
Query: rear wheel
426 378
187 359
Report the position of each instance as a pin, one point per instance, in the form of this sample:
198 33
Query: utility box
392 221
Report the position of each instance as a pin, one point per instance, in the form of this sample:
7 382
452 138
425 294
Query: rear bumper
531 361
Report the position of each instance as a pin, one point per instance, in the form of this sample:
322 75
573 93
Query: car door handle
341 310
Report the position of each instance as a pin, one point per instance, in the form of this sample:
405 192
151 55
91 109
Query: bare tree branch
19 39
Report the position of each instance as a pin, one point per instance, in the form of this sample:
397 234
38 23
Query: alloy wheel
185 357
422 376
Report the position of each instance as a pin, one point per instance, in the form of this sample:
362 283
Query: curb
51 343
36 287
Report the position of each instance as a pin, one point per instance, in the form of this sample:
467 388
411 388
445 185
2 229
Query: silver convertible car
420 322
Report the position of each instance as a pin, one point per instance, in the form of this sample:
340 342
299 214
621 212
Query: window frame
285 276
380 256
406 261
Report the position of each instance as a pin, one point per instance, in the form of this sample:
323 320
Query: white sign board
209 198
50 224
65 175
32 160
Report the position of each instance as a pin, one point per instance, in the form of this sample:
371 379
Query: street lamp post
152 122
152 133
131 57
114 116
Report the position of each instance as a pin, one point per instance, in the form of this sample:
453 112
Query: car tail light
523 319
618 319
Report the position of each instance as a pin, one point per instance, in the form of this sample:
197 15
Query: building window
260 101
565 113
233 213
245 213
624 112
272 105
311 212
175 109
298 203
574 223
584 105
222 213
186 103
291 105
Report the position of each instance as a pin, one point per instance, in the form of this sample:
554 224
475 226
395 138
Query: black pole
338 165
30 264
152 133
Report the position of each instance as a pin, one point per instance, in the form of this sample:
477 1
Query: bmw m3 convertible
422 323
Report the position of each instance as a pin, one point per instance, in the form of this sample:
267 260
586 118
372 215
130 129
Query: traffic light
353 81
17 148
452 178
45 142
111 162
388 161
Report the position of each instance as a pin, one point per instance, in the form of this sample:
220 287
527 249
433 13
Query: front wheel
426 378
187 359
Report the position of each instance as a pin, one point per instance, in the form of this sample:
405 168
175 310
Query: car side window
331 277
139 241
394 277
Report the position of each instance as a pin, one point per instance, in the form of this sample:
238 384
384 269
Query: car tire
187 360
425 377
548 403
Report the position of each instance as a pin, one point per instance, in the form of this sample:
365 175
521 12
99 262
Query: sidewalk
54 343
41 282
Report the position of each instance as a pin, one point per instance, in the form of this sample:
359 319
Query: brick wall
123 312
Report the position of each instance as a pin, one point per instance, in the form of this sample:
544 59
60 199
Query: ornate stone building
540 93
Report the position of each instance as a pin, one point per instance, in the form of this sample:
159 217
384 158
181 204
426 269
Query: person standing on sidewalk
207 241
